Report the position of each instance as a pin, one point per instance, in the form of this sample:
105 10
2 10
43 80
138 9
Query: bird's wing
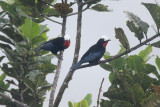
93 56
91 49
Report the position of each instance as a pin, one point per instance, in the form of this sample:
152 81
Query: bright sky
94 25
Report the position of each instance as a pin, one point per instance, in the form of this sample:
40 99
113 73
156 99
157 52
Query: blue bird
55 45
94 53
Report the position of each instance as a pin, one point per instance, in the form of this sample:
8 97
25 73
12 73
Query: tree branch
70 73
8 91
58 70
100 89
13 100
71 14
47 3
50 19
76 55
124 53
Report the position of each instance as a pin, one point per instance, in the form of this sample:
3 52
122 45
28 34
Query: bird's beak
109 40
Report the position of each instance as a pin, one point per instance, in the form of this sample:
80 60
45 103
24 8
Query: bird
55 45
94 53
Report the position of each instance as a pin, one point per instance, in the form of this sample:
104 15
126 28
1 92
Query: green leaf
152 101
121 50
45 88
1 58
151 69
138 22
106 55
3 46
117 63
137 94
106 67
122 37
100 8
4 5
39 80
154 10
30 29
88 98
111 77
82 103
158 62
9 71
70 104
44 58
5 39
10 32
122 104
143 79
156 44
2 76
106 103
29 84
135 63
144 53
138 32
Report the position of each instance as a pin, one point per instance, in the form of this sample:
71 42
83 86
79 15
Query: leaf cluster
131 81
86 102
20 35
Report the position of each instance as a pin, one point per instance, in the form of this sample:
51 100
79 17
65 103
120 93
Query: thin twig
47 3
100 89
58 69
71 14
13 100
76 55
50 19
70 73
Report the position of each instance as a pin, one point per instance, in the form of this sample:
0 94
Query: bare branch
58 70
13 100
75 59
100 89
124 53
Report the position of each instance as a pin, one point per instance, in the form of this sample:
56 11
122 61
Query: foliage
100 8
131 83
20 34
86 102
122 38
154 10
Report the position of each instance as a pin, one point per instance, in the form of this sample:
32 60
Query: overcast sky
94 25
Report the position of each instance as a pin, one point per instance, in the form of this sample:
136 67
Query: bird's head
103 41
66 41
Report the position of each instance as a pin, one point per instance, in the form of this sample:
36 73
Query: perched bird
55 45
94 53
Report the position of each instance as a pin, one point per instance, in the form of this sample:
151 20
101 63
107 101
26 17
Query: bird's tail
74 67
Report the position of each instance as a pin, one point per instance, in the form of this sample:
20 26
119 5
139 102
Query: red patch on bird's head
66 44
104 44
